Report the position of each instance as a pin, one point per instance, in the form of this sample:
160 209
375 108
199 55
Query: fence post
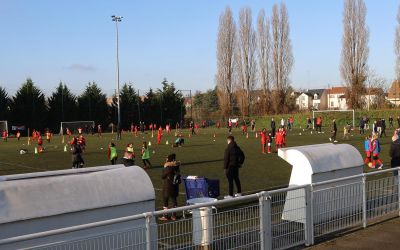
364 202
265 220
398 188
309 225
148 231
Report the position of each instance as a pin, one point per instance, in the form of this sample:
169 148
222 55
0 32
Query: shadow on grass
183 164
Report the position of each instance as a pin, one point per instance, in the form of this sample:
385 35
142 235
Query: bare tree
225 61
397 46
282 57
264 59
376 87
354 51
246 60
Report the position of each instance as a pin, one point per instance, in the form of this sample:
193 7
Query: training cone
36 152
149 143
65 148
166 143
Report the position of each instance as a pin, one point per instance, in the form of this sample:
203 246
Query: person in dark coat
362 126
273 127
394 152
383 128
232 162
76 150
171 180
333 131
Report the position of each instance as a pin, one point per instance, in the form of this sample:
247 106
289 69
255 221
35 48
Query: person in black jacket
233 159
76 150
171 180
273 127
395 151
333 131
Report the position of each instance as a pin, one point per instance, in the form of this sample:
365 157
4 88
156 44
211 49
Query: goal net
3 126
86 126
343 117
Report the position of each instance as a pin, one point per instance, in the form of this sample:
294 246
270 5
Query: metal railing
277 219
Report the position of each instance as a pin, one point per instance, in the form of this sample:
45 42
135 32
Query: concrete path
382 236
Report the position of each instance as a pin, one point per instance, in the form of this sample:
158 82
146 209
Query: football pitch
202 155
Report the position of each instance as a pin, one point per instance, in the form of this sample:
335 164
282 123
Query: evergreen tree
4 104
150 110
92 105
62 107
130 103
171 103
28 107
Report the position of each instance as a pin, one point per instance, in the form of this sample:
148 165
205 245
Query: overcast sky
74 41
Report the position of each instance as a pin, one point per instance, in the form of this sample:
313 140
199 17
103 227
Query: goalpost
87 126
329 111
3 126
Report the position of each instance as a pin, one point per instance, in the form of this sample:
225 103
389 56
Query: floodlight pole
117 19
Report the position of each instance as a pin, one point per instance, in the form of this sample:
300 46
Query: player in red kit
263 136
159 135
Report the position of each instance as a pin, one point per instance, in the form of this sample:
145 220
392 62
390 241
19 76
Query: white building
310 99
337 98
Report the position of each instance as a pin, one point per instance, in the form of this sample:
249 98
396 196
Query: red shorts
368 153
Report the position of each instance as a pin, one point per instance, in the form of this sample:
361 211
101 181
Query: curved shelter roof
43 194
321 158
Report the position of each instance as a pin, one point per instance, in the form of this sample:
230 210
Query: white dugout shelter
318 163
38 202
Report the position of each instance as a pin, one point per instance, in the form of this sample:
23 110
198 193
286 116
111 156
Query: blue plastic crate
201 187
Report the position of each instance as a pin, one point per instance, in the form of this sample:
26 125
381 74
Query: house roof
319 92
337 90
394 90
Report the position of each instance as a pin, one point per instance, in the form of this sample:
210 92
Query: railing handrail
179 209
355 176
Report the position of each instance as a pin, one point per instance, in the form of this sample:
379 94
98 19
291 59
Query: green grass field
201 156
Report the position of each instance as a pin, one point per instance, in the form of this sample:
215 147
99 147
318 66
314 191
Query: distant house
393 95
304 101
337 98
371 97
311 99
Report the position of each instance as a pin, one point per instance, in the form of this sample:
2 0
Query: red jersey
279 138
263 138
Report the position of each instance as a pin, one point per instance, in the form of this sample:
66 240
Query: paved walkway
383 236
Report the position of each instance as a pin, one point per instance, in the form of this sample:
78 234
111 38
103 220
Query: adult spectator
273 127
233 160
76 151
362 126
333 131
383 128
171 179
398 121
394 151
390 122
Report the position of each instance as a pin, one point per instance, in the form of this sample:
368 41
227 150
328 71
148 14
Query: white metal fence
277 219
